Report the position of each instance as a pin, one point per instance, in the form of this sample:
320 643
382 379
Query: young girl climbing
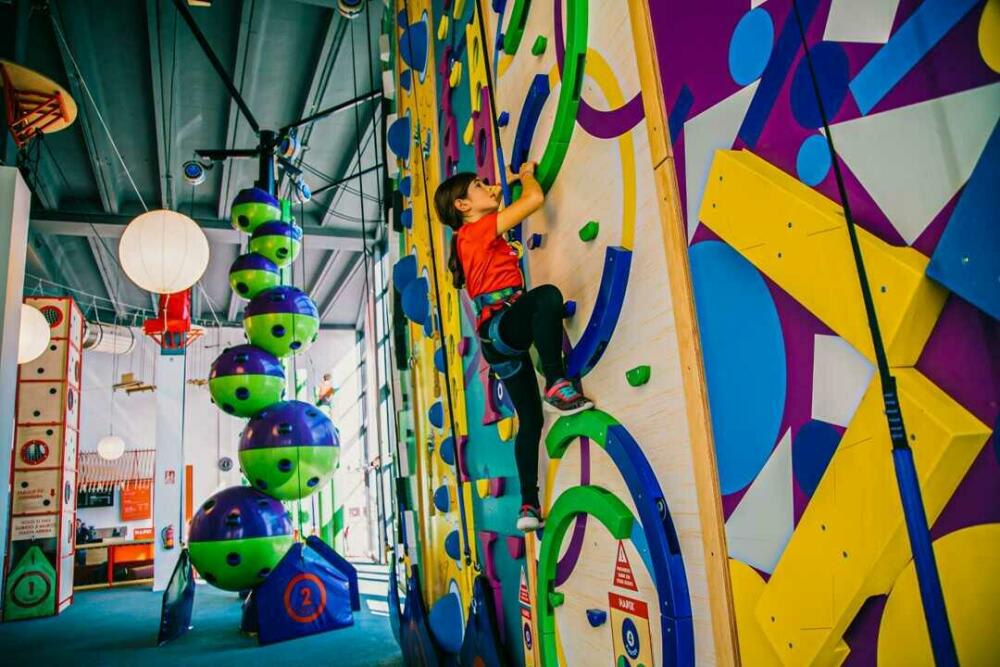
510 318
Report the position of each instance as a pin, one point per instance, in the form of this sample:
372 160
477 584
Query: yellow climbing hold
470 130
459 9
456 74
505 429
443 26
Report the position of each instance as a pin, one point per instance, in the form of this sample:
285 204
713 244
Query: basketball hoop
34 103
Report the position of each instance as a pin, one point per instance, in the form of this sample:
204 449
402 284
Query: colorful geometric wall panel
798 233
860 21
851 542
840 377
912 160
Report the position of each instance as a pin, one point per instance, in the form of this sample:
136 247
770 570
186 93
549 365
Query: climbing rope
467 553
929 581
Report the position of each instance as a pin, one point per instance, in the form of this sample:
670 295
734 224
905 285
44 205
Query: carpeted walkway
118 627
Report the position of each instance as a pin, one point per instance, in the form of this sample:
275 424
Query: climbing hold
442 498
406 186
439 360
404 271
416 307
535 241
451 546
470 130
569 309
505 429
490 487
463 472
436 414
500 39
483 488
538 48
406 218
515 546
406 79
589 231
556 599
443 26
463 346
531 111
499 6
596 617
456 74
503 119
459 8
398 137
447 450
446 622
638 376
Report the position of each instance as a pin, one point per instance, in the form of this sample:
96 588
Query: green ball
251 274
253 207
279 241
246 395
288 473
254 559
281 334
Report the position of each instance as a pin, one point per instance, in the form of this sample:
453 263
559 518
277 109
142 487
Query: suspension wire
437 298
490 83
928 578
83 82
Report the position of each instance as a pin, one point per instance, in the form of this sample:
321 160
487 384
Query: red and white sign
522 593
630 636
527 637
142 534
623 570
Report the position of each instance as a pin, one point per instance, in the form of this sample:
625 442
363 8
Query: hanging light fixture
163 251
34 335
110 447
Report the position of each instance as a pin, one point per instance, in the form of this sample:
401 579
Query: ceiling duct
109 338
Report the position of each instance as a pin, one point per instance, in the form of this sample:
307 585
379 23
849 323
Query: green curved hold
515 27
569 94
592 424
600 504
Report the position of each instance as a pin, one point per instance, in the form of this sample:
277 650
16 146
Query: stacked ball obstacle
282 320
238 536
245 379
289 450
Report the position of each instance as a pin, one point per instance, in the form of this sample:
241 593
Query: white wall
209 433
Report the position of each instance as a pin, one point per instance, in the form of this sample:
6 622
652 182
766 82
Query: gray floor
118 627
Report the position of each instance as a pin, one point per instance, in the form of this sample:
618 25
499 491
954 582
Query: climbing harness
932 597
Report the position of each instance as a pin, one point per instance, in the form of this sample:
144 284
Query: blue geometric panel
750 46
812 163
812 448
928 24
967 259
830 64
744 356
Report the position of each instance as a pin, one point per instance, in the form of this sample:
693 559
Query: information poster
137 503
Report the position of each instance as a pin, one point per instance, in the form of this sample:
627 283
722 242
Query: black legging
534 319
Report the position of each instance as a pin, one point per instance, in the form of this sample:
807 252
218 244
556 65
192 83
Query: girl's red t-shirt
489 262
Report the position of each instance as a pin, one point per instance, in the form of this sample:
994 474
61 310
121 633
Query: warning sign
527 637
623 570
633 643
33 527
522 592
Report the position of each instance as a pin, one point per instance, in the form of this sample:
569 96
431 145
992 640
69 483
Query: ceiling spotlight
289 145
194 172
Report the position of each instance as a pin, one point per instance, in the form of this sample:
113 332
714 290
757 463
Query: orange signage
137 503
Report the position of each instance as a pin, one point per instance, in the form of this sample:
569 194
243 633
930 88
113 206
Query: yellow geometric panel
747 586
477 65
851 543
798 238
969 563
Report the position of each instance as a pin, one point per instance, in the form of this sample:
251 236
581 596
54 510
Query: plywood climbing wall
631 563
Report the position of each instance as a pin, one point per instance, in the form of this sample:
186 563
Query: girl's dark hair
455 187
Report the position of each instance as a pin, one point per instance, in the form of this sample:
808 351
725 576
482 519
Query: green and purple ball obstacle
279 241
253 207
282 320
245 379
289 450
252 273
237 537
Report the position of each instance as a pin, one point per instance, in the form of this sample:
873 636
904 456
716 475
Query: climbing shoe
562 397
529 518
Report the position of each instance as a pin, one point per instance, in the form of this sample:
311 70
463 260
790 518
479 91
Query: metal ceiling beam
244 76
328 262
217 231
104 177
99 260
160 52
340 285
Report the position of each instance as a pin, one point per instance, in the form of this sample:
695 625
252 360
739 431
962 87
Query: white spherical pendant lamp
163 251
110 447
34 336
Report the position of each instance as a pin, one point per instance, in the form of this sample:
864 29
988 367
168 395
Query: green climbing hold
556 599
638 376
538 48
589 231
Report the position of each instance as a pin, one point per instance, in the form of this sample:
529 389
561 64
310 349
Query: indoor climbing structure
733 494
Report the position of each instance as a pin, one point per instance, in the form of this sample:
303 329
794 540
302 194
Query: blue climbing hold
439 359
404 272
398 137
413 46
436 414
446 622
442 499
569 309
503 119
596 617
451 546
416 307
604 318
447 450
538 92
406 218
406 186
406 79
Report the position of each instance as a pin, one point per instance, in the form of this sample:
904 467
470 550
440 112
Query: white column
15 204
168 484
